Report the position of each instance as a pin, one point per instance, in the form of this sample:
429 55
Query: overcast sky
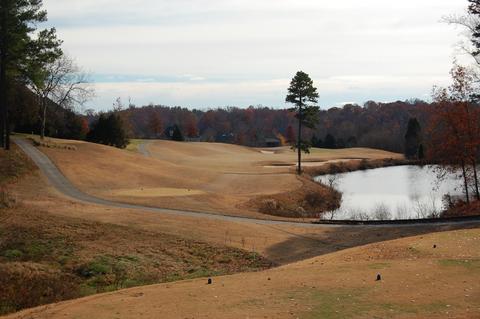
210 53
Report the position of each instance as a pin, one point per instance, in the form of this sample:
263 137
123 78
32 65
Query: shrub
314 199
26 285
269 205
109 130
382 212
50 144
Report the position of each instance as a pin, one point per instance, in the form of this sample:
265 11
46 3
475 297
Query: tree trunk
4 126
2 101
472 152
465 182
44 119
299 143
475 176
4 136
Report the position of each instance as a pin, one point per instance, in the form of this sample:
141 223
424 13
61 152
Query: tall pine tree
19 47
413 139
303 94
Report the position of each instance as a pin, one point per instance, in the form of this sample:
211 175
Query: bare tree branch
64 84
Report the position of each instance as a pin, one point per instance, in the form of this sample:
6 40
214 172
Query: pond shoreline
397 190
440 220
360 165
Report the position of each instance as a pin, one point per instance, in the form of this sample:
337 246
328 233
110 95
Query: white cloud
400 46
266 92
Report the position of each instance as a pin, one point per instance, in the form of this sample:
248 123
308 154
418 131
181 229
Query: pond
400 192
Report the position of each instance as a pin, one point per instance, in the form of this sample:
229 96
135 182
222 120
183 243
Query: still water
401 192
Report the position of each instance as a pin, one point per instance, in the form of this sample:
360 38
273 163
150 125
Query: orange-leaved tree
454 129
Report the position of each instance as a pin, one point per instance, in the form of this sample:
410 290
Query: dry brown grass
95 240
14 164
45 258
355 165
418 281
217 178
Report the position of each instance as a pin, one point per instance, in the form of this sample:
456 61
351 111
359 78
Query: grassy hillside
46 258
431 276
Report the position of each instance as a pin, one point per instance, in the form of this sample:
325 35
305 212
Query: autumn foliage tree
290 135
192 130
155 125
454 129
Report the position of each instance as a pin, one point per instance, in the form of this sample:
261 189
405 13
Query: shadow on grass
301 247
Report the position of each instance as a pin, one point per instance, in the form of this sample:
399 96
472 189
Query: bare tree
63 83
468 23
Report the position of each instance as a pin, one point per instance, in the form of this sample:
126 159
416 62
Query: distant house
169 132
227 138
272 142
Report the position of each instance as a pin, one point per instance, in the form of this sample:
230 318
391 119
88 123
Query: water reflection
401 192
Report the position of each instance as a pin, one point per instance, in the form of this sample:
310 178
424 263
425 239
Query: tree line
375 125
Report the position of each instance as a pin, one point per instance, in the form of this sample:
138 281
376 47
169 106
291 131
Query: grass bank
356 165
311 200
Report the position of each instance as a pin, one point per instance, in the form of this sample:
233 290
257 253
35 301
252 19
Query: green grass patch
359 302
12 254
436 307
26 248
133 145
470 264
378 266
336 303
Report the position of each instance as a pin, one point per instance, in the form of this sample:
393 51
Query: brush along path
421 277
62 184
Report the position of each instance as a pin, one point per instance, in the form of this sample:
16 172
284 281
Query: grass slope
418 281
46 258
